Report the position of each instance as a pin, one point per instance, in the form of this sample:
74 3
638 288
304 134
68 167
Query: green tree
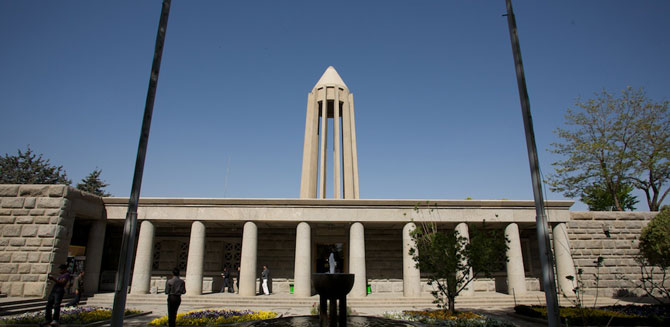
599 199
447 258
614 141
93 184
30 168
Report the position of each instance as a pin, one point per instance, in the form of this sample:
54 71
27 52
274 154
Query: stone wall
613 236
36 223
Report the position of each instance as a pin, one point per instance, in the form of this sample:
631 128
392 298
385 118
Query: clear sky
437 107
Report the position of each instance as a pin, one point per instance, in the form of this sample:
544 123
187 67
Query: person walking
265 275
174 288
226 281
52 314
77 289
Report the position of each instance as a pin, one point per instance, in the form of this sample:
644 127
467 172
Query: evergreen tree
93 184
30 168
599 199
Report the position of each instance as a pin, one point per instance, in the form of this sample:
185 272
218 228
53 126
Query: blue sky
437 108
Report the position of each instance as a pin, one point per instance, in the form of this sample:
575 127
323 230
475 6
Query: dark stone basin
333 285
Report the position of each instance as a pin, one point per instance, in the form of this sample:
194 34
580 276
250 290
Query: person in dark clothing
174 288
52 314
77 288
227 282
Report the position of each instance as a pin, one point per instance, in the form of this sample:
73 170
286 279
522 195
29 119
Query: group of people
266 281
62 282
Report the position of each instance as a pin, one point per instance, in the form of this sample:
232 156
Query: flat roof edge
149 201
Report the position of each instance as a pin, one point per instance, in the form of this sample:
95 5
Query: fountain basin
313 321
335 285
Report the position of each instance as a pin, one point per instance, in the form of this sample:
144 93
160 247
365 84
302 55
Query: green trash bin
290 286
369 289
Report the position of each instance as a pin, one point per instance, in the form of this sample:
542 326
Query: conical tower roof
330 77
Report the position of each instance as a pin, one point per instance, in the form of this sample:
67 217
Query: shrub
655 240
613 315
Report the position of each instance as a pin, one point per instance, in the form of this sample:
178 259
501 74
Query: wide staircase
14 306
372 301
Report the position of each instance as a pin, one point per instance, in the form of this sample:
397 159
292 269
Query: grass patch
206 317
444 318
68 315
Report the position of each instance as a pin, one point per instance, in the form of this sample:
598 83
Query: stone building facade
41 224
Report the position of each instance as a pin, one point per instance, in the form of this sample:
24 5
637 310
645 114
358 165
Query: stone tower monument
330 98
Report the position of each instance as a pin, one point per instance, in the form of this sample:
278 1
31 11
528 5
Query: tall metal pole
130 226
546 256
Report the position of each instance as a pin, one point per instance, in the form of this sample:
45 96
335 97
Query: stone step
373 301
15 307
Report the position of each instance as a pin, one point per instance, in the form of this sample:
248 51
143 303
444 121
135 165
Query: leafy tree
93 184
448 258
613 142
598 199
650 152
30 168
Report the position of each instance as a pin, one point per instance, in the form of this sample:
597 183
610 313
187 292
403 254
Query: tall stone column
143 259
94 247
516 277
463 230
303 258
196 259
564 264
324 145
411 276
337 161
248 261
357 259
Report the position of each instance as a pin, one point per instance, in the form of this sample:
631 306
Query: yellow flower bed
205 317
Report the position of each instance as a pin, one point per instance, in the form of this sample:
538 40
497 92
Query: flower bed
619 315
444 318
68 315
207 317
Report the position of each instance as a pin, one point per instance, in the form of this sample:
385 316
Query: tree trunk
452 304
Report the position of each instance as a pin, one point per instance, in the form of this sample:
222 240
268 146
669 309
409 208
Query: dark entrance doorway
323 252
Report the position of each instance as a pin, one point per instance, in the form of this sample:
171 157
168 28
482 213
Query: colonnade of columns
516 280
